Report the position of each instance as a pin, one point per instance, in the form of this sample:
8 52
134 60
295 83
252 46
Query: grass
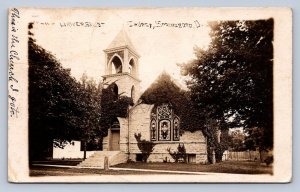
238 167
37 171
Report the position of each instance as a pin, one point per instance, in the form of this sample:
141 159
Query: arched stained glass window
164 125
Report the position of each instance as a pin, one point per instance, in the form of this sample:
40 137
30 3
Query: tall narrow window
132 67
153 130
176 129
133 93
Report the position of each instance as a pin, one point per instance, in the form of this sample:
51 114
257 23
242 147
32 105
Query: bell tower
121 66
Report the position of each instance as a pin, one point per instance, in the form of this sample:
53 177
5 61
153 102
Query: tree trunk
219 154
221 145
210 154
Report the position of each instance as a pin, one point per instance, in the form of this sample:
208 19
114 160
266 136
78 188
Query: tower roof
121 40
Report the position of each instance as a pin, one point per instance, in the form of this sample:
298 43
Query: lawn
62 171
238 167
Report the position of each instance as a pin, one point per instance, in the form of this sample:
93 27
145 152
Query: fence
241 155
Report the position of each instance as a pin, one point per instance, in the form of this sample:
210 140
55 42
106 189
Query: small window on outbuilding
191 158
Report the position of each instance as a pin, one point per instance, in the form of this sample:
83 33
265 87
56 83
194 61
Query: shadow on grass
73 162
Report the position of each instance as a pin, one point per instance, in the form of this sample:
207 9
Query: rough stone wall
123 134
139 122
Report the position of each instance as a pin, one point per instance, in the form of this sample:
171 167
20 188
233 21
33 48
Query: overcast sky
81 48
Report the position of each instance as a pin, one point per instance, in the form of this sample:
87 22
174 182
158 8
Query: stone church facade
158 124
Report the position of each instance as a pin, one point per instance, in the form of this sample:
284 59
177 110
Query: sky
80 48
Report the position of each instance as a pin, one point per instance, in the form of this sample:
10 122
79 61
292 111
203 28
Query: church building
156 123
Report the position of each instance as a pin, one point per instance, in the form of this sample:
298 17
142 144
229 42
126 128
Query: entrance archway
115 135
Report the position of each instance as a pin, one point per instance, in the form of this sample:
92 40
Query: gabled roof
121 40
164 75
163 89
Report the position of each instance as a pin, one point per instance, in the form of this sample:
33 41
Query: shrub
146 147
269 160
179 155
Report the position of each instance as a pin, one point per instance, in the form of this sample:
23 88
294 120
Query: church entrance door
115 140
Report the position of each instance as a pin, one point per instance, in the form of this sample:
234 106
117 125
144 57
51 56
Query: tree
61 109
237 140
52 103
231 82
90 107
